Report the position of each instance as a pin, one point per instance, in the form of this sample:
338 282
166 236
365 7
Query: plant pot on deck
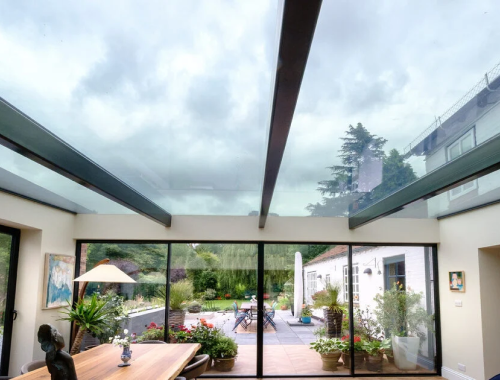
374 362
330 361
224 364
306 320
176 317
333 323
359 359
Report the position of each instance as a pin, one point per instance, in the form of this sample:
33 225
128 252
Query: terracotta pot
284 307
374 362
330 361
359 359
224 365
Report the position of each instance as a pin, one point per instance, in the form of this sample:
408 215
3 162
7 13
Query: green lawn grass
223 304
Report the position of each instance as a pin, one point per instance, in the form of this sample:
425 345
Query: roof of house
338 250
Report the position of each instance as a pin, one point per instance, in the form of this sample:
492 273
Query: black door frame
11 297
260 284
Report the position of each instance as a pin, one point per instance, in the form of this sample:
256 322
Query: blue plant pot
306 319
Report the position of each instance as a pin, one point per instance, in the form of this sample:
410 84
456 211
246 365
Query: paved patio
284 335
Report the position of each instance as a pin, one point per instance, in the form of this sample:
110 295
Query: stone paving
285 334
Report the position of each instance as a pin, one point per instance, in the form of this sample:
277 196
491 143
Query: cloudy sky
173 97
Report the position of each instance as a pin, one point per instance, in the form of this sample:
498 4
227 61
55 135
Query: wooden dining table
248 305
149 362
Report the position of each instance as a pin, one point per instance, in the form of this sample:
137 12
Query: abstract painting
457 281
58 280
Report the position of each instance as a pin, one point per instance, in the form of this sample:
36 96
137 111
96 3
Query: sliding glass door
9 249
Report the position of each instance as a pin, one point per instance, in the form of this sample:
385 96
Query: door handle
14 312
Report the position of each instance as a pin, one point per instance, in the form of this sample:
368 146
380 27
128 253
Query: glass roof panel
22 176
173 98
390 93
479 192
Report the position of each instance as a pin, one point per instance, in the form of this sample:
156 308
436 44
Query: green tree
358 148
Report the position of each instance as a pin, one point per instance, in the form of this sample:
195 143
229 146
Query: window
311 283
395 272
459 147
327 278
355 283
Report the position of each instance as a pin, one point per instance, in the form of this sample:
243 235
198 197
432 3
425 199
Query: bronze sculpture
59 363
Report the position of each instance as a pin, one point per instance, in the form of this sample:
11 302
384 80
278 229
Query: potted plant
284 303
375 350
359 352
330 351
306 314
329 300
194 307
180 292
400 312
89 316
224 353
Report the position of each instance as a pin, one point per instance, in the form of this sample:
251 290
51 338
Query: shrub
239 291
153 332
224 347
180 292
206 280
210 294
329 297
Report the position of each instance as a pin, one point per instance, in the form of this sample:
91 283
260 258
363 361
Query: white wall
43 230
462 238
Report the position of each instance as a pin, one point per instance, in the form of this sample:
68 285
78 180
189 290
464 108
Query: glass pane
384 113
486 191
23 176
138 307
5 246
454 151
298 316
224 278
171 97
467 143
395 313
401 268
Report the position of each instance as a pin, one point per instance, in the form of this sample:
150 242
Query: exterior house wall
372 284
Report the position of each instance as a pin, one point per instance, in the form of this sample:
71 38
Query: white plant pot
405 352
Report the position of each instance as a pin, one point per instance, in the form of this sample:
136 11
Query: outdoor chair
240 317
196 367
31 366
5 377
152 342
497 377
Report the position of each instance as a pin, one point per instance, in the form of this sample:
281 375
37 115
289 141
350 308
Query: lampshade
105 273
368 271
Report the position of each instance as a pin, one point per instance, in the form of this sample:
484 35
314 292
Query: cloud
174 97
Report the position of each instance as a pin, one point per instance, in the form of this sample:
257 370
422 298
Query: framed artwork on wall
58 280
457 281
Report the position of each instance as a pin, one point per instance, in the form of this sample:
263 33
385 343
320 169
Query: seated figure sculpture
59 363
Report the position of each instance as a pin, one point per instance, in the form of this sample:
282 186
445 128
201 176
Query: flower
125 331
210 326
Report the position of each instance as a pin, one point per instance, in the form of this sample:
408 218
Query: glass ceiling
170 97
175 99
394 67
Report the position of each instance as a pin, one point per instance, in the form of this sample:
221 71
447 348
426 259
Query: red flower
210 326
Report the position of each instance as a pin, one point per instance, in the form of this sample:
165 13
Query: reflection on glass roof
479 192
25 177
374 110
172 98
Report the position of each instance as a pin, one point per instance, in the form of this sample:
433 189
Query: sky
174 97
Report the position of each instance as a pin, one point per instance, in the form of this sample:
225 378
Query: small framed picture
58 280
457 281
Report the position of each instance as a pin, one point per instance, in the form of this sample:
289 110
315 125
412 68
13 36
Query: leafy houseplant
88 316
224 353
400 312
330 351
329 300
375 350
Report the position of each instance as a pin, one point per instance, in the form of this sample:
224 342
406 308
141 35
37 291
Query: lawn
222 304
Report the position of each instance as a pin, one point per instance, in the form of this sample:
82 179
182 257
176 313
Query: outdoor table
248 305
149 361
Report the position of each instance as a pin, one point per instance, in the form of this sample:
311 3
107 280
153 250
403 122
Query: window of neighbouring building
311 283
465 143
355 283
327 278
395 271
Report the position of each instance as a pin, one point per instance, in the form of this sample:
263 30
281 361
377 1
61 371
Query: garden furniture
196 367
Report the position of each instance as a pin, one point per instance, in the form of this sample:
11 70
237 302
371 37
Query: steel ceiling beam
480 161
297 32
25 136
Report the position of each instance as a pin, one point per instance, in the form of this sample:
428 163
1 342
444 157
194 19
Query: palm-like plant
88 316
330 297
